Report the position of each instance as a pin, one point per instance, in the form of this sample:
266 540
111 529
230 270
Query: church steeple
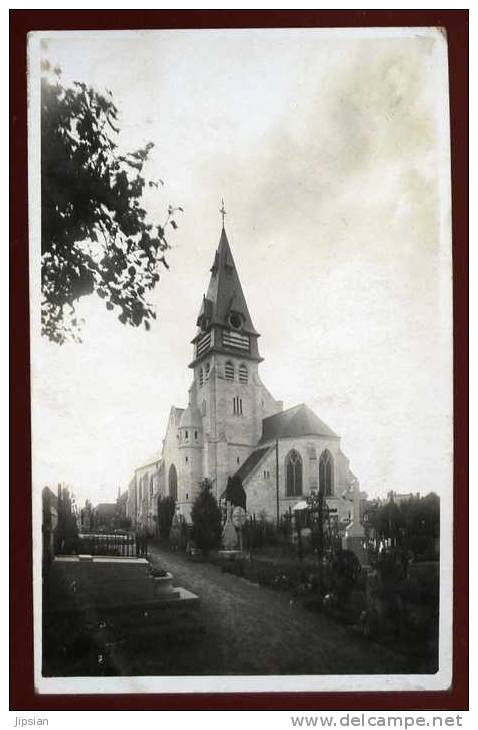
224 321
222 212
227 306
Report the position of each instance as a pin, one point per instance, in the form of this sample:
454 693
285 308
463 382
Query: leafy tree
95 233
387 522
235 493
66 532
421 517
166 509
206 518
412 526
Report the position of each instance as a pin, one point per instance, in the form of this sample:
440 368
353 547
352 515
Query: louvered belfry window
229 370
243 374
293 487
236 340
203 344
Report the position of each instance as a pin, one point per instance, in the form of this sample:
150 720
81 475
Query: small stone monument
229 535
238 519
355 533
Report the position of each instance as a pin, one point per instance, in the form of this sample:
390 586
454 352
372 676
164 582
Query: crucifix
222 212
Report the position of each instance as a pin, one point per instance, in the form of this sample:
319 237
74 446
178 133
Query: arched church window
237 406
229 370
326 472
206 371
293 486
243 374
173 482
201 377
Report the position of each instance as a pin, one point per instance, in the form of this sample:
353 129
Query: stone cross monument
355 533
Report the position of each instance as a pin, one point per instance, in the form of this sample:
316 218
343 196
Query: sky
330 150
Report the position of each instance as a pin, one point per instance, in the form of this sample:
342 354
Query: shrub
206 529
341 573
235 493
166 509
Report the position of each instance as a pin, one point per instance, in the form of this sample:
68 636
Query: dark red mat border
22 695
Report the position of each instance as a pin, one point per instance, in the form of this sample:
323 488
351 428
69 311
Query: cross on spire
222 211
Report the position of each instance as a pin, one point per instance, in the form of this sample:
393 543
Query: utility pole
277 480
320 535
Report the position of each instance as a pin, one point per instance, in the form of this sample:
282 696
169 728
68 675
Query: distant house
111 515
105 515
400 498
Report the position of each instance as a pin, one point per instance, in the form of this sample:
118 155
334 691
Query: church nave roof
251 462
296 421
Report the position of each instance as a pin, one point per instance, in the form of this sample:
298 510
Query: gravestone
229 535
355 533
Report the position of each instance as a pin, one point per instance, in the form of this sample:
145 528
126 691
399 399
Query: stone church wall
261 486
229 436
223 422
170 452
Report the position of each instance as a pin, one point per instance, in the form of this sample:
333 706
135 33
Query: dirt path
254 630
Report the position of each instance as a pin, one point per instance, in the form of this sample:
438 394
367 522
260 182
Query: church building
233 425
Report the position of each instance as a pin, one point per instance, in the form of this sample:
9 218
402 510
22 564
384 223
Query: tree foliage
166 510
413 525
95 233
342 571
66 532
235 493
206 518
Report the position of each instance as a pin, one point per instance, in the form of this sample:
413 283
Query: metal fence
122 545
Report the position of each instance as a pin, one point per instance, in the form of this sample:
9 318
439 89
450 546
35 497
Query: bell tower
226 388
224 323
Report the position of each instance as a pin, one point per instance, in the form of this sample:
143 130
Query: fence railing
123 545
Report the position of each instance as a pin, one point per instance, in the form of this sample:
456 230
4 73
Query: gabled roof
297 421
148 462
191 418
225 293
250 463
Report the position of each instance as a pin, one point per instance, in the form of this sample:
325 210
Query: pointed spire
224 295
224 322
222 212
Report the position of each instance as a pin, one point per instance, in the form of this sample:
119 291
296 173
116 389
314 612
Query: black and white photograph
241 360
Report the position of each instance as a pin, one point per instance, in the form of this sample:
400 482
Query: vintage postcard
241 360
